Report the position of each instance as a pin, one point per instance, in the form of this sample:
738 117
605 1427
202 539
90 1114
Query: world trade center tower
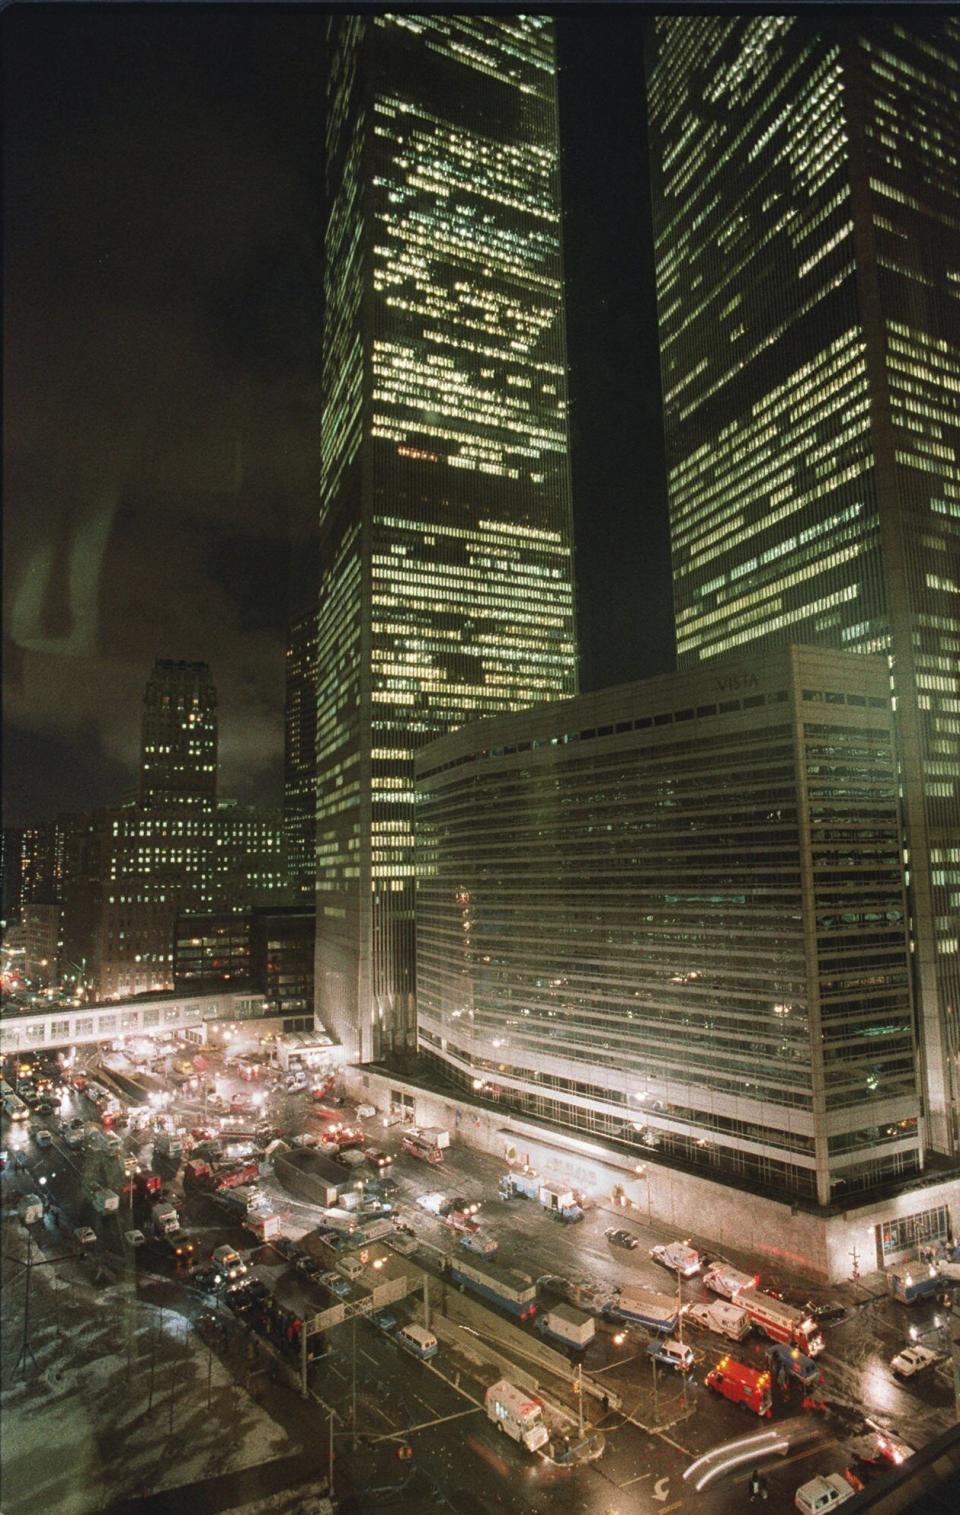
807 216
446 574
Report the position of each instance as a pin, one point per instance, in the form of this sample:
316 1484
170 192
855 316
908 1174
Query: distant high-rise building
446 574
129 869
300 755
45 851
12 843
178 759
139 867
807 218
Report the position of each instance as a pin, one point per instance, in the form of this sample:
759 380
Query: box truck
165 1219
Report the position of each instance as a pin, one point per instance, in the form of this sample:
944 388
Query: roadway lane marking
427 1405
426 1424
652 1430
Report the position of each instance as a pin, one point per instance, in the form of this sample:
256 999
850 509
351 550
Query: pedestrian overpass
145 1015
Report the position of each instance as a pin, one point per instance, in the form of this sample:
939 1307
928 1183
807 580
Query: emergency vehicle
782 1322
742 1385
415 1144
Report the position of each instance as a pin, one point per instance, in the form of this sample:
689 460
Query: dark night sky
163 223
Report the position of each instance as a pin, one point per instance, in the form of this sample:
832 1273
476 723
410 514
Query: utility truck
515 1185
569 1325
514 1411
658 1312
914 1280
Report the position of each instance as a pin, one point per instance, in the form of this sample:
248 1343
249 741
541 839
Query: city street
653 1429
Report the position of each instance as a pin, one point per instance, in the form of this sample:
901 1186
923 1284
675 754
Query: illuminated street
651 1434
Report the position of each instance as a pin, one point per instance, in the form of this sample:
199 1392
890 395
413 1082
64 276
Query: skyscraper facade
673 914
300 755
807 218
178 754
446 577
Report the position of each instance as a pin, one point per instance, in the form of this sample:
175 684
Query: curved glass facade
673 912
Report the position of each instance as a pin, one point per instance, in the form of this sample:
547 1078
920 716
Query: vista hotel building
671 916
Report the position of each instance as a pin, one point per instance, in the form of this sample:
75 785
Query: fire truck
418 1146
781 1322
742 1385
233 1178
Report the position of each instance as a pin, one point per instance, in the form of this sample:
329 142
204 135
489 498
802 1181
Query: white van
419 1342
350 1267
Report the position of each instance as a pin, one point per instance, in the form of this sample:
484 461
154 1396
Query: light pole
683 1372
354 1388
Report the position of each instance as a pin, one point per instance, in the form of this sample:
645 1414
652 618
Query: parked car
309 1266
248 1293
285 1247
405 1245
336 1283
830 1310
206 1276
617 1237
134 1238
85 1236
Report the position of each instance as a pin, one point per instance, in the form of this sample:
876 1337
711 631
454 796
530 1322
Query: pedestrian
754 1484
